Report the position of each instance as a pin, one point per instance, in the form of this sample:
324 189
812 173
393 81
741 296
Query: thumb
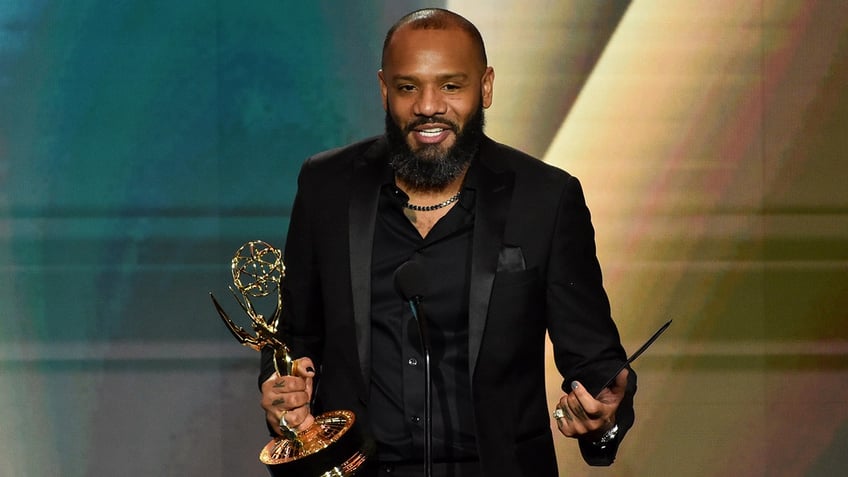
304 368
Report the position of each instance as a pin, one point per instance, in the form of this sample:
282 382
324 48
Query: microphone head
410 280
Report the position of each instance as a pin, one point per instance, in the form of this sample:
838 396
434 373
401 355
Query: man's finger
575 405
584 401
562 412
303 367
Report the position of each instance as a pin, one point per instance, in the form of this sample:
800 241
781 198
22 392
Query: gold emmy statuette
333 445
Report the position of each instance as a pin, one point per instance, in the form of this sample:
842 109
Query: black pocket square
511 259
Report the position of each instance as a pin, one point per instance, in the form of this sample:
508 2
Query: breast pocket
506 280
517 295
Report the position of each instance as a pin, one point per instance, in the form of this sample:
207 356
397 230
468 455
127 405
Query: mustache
431 120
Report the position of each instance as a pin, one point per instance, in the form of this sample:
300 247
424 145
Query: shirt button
416 419
412 362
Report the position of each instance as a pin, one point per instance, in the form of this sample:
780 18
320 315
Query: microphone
411 284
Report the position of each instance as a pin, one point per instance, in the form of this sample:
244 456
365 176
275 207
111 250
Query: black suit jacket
534 271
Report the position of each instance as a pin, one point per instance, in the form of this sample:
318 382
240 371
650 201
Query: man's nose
430 103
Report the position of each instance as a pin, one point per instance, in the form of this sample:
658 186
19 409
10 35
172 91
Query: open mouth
431 133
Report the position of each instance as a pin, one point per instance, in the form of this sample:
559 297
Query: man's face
434 84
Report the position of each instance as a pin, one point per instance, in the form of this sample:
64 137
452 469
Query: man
506 246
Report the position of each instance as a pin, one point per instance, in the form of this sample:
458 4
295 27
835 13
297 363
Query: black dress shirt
397 380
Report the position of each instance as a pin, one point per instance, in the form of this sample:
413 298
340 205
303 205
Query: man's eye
406 88
451 87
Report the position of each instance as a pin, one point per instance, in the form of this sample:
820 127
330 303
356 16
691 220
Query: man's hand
288 397
583 416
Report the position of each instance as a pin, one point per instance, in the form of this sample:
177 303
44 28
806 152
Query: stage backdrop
143 141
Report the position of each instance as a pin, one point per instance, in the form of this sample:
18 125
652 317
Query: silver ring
558 414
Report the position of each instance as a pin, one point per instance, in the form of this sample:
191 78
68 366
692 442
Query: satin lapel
493 199
365 192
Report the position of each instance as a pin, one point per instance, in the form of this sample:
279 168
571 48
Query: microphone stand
414 305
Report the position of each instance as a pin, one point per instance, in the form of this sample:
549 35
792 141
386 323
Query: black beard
430 168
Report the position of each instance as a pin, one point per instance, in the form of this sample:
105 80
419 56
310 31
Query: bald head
437 19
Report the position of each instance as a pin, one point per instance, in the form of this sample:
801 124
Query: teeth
431 132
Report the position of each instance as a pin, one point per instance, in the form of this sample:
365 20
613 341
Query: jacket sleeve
586 343
301 323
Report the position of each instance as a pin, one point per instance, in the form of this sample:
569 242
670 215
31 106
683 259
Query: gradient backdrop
143 141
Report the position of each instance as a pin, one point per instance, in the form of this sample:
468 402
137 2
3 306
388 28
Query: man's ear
384 90
486 86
